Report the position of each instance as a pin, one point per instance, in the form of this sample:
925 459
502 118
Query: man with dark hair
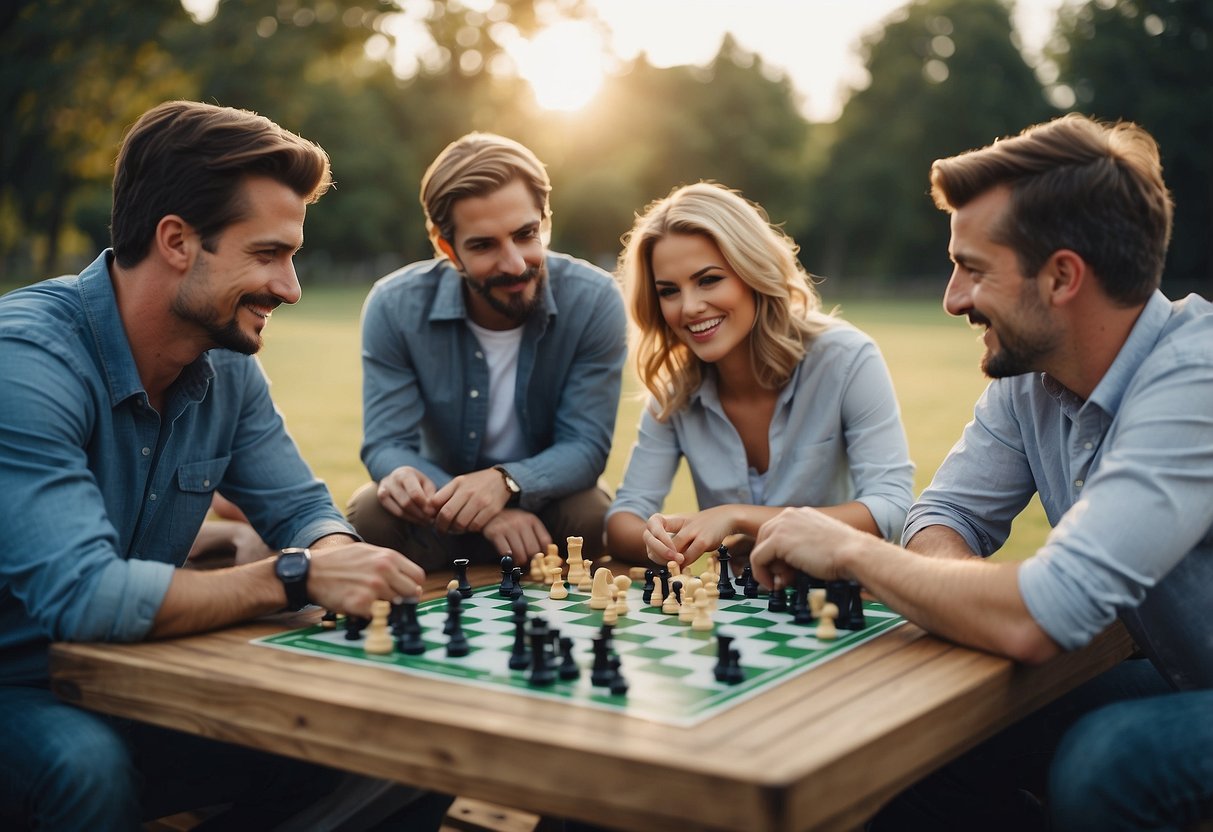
491 374
1102 404
128 398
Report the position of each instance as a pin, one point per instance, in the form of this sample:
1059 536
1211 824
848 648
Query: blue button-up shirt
1126 480
425 379
103 496
835 436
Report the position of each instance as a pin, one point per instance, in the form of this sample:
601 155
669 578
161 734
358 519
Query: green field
311 356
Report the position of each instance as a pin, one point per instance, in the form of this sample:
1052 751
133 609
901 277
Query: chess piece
505 590
599 592
587 581
542 673
378 641
826 631
702 622
749 586
646 594
568 667
465 588
711 585
537 568
457 643
558 592
408 640
609 614
621 594
576 561
725 582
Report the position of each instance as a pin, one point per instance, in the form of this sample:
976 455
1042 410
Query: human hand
805 540
349 577
249 545
406 493
469 501
684 538
517 532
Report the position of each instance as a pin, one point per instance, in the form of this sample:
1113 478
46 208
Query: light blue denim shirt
1126 480
425 380
102 497
835 436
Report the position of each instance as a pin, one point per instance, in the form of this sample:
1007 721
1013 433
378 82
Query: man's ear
444 245
1063 277
176 242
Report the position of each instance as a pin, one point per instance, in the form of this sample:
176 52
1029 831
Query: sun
563 64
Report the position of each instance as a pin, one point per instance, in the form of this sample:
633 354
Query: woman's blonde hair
788 308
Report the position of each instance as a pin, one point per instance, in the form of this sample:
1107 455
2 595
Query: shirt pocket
196 483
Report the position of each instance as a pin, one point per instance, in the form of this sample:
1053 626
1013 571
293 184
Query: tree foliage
1151 61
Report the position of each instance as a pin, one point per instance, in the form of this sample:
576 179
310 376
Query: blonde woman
772 402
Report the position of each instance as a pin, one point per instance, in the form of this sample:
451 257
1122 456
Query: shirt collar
114 350
1137 347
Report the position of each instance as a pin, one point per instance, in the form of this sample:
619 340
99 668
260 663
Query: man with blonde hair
491 374
1102 404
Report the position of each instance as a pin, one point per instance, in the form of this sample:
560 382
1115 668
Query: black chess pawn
465 588
663 575
600 671
857 618
618 685
801 612
749 586
646 594
723 647
506 590
354 625
519 607
516 592
329 620
568 667
542 673
778 602
408 640
457 643
734 675
520 656
725 584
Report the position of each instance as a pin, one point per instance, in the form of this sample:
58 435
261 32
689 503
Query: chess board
668 666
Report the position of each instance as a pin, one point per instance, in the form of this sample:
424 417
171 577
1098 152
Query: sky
815 42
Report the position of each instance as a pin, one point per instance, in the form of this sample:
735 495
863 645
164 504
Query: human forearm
199 601
939 542
625 537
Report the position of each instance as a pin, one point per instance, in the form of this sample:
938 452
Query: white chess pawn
378 641
609 616
826 631
817 599
586 583
656 598
702 622
711 585
621 594
686 612
559 591
670 605
537 567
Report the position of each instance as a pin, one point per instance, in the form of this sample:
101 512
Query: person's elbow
1028 644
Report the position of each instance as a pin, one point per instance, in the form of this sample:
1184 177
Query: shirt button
206 483
146 451
1078 483
479 354
472 435
1088 445
475 394
152 497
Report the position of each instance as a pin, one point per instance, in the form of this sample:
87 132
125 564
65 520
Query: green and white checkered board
667 665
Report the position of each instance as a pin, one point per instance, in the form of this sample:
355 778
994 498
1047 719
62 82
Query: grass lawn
311 356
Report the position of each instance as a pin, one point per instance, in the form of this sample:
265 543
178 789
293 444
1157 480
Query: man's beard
190 304
515 307
1018 352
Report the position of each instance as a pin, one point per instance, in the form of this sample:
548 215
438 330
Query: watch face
292 565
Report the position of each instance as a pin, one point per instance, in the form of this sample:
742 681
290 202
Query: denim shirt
1126 480
103 496
835 436
425 379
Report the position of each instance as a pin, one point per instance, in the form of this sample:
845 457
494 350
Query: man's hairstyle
191 159
479 164
1078 184
788 308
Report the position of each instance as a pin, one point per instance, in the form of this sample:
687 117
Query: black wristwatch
511 485
292 568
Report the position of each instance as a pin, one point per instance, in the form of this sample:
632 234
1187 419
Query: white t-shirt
503 435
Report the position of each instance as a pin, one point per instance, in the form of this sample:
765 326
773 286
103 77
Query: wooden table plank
820 751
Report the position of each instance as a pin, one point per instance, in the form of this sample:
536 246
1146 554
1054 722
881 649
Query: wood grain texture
821 751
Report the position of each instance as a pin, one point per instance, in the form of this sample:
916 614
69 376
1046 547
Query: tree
946 77
1151 61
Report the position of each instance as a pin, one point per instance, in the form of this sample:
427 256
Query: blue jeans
64 768
1124 751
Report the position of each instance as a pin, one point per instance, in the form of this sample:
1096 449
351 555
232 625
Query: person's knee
85 780
583 515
